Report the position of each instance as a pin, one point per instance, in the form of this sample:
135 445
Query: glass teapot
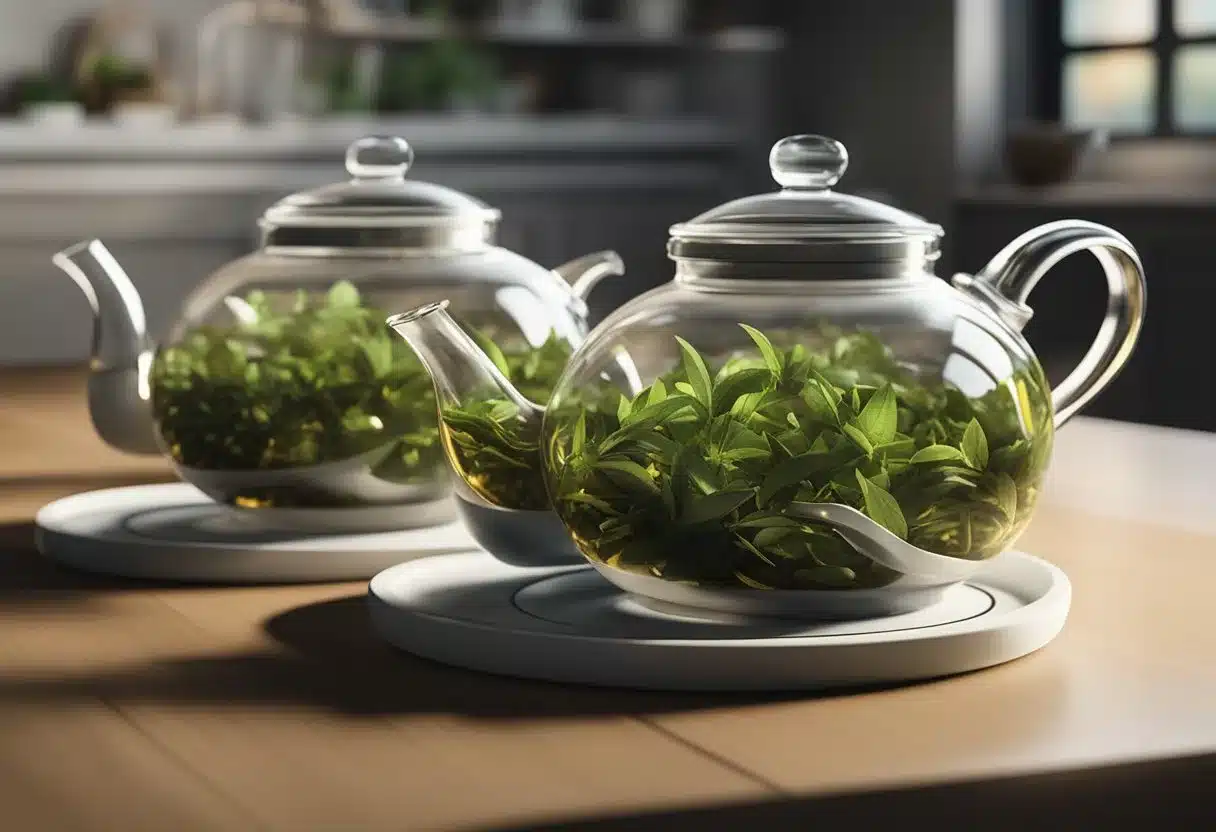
806 421
281 388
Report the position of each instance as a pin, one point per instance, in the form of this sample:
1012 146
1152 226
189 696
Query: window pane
1096 22
1195 88
1112 89
1193 18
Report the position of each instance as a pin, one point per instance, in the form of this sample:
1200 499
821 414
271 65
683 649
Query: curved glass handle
1010 277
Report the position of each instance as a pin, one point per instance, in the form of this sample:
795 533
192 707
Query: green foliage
313 380
690 478
115 73
435 75
43 89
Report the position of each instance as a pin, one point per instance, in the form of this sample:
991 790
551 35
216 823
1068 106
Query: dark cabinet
1168 380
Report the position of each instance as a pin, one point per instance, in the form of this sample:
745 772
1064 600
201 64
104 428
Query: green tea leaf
1007 495
492 351
591 500
877 420
623 409
343 294
771 358
793 471
896 449
628 474
729 389
764 520
750 582
882 508
937 453
580 434
743 454
702 509
651 416
859 438
658 392
653 442
975 445
823 401
703 475
698 374
773 535
747 546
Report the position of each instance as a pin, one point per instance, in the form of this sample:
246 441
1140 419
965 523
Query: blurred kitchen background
165 127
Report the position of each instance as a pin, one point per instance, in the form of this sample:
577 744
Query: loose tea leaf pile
689 479
318 380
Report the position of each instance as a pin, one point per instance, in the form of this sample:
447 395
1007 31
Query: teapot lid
378 209
808 222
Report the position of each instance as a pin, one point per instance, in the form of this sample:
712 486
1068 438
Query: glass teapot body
909 402
282 387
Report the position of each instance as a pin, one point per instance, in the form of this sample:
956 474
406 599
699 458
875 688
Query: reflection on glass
977 363
1112 90
1193 18
1195 87
1095 22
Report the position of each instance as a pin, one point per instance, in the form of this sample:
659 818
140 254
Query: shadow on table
327 657
1171 794
26 576
338 635
29 578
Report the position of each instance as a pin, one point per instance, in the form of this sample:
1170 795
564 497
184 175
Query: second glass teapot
280 387
806 421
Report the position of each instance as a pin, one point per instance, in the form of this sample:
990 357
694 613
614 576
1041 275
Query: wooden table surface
136 706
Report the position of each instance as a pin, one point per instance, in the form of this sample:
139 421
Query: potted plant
122 65
48 101
127 90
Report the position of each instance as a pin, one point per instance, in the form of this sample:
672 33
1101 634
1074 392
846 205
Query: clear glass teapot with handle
805 421
280 388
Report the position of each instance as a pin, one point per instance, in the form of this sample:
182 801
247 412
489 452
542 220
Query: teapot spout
580 276
121 354
461 370
489 430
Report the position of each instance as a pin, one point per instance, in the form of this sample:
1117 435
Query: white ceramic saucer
174 532
570 625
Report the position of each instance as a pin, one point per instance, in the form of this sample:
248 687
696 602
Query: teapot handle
1004 284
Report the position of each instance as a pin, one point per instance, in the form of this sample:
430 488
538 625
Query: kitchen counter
224 140
137 706
224 158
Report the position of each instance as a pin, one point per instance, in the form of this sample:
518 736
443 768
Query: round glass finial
379 157
808 162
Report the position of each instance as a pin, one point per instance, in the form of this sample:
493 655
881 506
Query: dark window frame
1047 25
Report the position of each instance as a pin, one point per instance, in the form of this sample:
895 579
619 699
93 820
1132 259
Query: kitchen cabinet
1164 383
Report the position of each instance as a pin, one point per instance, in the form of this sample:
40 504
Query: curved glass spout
490 431
581 275
119 398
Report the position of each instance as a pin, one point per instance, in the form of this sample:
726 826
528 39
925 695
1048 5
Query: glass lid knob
379 157
808 162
